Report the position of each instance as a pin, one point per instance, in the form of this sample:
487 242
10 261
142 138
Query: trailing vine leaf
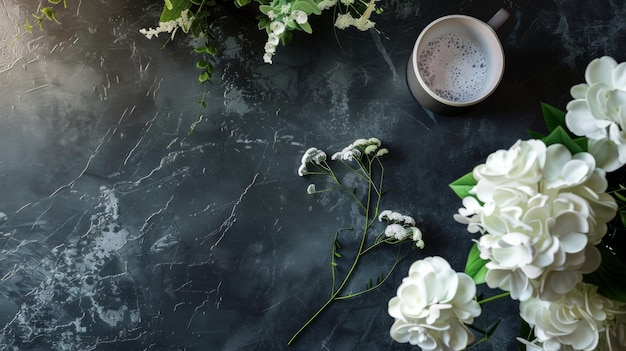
475 266
463 185
56 2
49 13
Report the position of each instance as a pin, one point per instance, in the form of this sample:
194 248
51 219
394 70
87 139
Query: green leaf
525 332
493 327
202 64
210 50
203 77
609 277
241 3
476 266
308 6
49 13
535 135
265 9
28 27
306 27
560 136
553 117
172 10
463 185
55 2
263 22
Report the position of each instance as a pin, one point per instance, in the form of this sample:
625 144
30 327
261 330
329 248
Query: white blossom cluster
433 305
281 20
359 147
401 227
345 20
598 111
183 22
312 155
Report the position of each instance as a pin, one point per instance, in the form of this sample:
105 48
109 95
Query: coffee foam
453 67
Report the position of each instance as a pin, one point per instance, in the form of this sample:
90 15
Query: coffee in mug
457 62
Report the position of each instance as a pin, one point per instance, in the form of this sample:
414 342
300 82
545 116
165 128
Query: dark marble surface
122 232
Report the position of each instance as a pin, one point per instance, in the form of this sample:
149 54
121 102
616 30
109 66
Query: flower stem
493 298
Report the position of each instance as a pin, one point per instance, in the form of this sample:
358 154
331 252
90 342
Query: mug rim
443 100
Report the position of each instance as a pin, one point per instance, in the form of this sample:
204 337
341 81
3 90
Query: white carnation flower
540 211
575 321
432 306
520 165
598 110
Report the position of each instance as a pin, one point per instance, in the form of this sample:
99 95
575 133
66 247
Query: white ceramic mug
457 62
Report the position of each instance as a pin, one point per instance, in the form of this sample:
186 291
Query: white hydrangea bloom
598 111
540 211
576 321
432 306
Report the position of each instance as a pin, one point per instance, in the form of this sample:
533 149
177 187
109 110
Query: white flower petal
580 121
619 76
606 154
615 102
600 70
579 91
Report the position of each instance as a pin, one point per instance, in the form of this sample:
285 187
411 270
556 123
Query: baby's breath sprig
363 158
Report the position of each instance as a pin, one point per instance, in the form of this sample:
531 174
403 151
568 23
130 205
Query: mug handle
498 19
